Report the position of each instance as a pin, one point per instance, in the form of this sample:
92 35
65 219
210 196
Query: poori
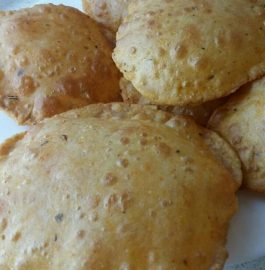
241 122
53 58
116 187
180 52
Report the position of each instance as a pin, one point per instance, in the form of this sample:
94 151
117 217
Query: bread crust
241 122
180 52
200 113
53 58
114 187
107 12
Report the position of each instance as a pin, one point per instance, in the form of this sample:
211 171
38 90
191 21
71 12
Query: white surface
246 240
16 4
8 127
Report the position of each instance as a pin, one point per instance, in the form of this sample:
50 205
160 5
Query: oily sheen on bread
53 58
180 52
116 187
241 122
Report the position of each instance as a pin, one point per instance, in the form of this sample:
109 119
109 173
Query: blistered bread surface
179 52
114 187
53 58
107 12
241 122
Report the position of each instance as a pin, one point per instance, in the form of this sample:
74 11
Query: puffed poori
241 122
180 52
53 58
116 187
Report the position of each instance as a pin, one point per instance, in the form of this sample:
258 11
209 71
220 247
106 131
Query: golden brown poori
180 52
116 187
131 185
241 122
53 58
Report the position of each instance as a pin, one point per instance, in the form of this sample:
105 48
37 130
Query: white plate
246 240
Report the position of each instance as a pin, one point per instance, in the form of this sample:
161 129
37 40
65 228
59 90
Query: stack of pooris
116 187
53 58
241 122
180 52
201 113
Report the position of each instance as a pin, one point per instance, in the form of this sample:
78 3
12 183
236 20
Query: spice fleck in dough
53 58
97 199
241 121
180 52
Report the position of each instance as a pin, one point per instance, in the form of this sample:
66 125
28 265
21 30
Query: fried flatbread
53 58
241 122
116 187
180 52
